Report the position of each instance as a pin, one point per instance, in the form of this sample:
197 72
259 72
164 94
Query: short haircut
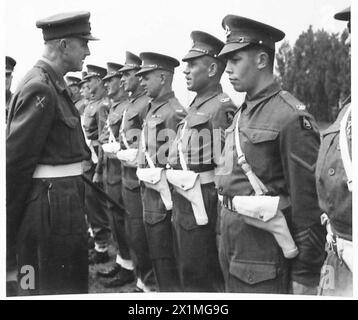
270 52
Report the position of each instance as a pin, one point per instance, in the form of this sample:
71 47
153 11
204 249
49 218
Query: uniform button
250 278
331 171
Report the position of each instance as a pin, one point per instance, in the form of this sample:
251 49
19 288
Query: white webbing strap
343 142
255 182
144 147
121 130
180 147
111 138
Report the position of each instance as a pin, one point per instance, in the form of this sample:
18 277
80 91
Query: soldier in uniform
10 64
94 120
130 133
74 84
45 148
209 114
164 113
85 94
270 154
123 268
334 188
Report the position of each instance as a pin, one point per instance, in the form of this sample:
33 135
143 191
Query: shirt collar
56 77
209 94
119 101
160 101
263 95
135 95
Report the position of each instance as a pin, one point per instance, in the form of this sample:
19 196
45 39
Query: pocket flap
70 121
150 175
153 122
182 179
259 135
114 118
252 272
132 115
197 119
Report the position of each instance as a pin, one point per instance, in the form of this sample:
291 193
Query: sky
161 26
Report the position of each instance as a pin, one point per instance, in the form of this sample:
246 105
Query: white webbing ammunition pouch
187 184
262 211
155 178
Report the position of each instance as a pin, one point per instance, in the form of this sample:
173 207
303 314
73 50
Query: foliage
317 71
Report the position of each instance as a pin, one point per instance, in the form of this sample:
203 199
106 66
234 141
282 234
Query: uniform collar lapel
261 96
209 94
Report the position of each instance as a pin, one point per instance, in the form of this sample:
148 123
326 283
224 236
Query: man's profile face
85 91
76 52
197 74
93 84
151 83
242 70
130 80
113 86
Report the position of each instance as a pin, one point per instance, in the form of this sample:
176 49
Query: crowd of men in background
210 197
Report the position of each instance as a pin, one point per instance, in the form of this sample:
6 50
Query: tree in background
317 71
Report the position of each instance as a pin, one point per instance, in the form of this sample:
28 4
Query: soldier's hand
98 179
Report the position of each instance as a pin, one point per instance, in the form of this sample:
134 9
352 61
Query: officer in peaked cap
73 83
85 95
45 148
123 269
131 127
279 140
209 114
334 188
94 120
10 64
164 114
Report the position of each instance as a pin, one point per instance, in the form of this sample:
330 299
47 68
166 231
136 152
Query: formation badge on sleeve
305 123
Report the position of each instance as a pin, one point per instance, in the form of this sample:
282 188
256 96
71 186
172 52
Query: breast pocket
67 132
199 139
261 148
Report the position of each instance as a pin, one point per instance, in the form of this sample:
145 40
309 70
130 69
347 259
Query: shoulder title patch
305 123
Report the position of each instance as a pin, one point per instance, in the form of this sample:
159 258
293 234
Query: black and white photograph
177 149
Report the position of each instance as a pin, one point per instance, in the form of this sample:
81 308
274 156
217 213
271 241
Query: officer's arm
299 144
32 116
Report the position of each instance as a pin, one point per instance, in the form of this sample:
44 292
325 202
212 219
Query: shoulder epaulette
292 101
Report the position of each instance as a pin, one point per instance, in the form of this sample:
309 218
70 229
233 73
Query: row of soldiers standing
210 198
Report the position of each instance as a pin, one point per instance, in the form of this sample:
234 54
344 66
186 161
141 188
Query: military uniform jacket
159 129
8 99
334 197
43 128
208 116
132 127
113 170
280 141
95 116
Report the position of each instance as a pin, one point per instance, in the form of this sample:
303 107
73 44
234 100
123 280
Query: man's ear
262 59
213 69
163 78
63 43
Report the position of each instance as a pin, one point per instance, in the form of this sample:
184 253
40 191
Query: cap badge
227 30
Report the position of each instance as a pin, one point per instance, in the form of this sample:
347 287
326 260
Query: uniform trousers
118 219
137 238
159 230
197 254
95 206
250 258
53 238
